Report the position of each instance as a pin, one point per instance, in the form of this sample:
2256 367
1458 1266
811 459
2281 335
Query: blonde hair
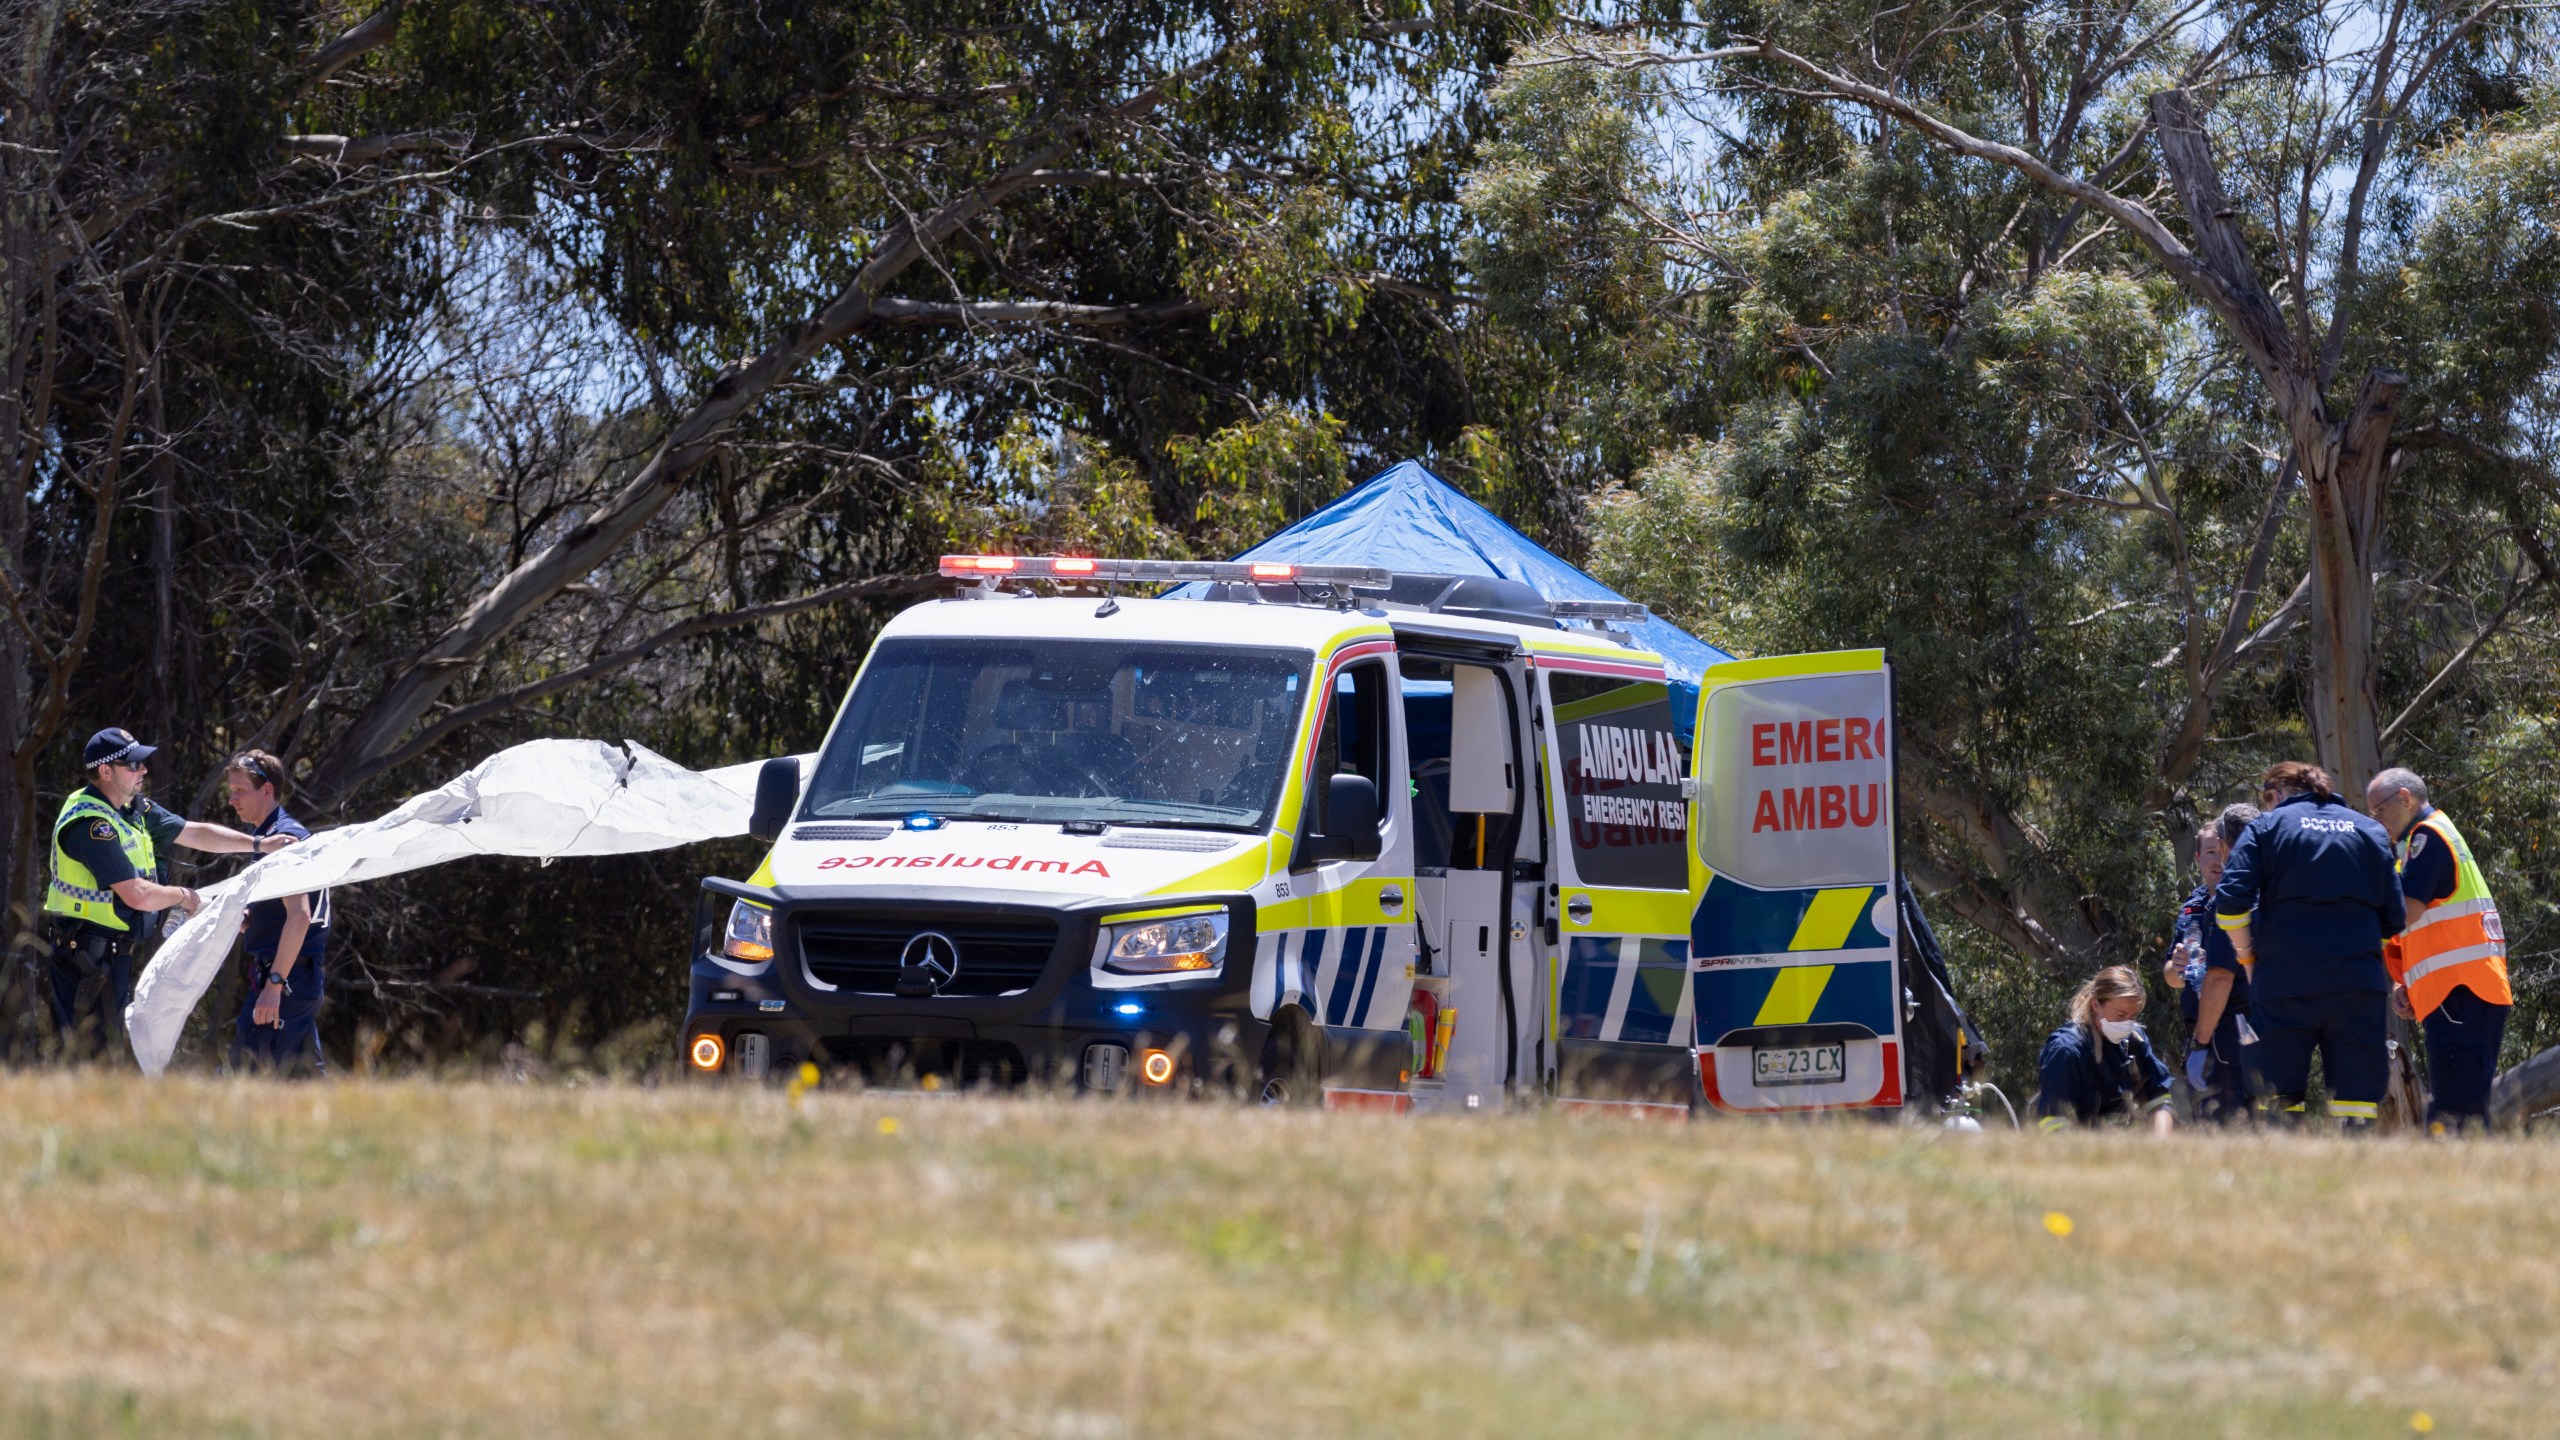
2113 983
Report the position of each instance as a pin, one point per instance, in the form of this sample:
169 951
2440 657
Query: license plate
1799 1065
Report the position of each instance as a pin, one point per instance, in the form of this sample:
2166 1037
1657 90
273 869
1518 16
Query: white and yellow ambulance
1328 834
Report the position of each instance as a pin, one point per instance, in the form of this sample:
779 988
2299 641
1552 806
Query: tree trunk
2345 465
164 567
2009 890
21 214
2348 472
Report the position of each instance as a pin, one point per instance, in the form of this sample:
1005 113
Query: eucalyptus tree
779 282
2131 313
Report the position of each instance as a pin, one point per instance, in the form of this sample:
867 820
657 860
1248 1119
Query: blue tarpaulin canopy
1406 518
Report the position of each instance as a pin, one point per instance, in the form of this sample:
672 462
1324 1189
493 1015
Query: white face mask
2119 1030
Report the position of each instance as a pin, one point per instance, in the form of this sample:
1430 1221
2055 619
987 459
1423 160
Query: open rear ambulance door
1796 989
1618 1003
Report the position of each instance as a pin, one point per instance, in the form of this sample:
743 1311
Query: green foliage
440 346
1586 346
1254 478
1917 408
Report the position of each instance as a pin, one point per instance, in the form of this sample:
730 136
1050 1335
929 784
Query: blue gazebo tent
1406 518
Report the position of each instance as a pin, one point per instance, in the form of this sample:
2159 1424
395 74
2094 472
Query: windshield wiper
1146 814
1105 810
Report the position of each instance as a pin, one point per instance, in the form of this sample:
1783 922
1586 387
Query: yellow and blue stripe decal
1860 992
1736 919
1600 995
1758 931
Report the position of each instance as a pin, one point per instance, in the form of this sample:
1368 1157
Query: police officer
107 846
2451 961
2319 876
2213 992
2100 1065
286 939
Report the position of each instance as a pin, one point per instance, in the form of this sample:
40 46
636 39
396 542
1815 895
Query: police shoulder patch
101 830
2417 843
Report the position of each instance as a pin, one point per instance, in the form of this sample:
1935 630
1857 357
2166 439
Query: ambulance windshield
1058 730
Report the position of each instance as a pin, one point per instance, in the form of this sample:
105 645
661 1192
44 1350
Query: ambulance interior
1475 1004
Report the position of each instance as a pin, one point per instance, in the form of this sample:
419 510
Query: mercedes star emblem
932 957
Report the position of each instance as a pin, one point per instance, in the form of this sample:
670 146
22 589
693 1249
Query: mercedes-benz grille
862 953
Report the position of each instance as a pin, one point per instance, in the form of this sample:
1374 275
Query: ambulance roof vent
1479 597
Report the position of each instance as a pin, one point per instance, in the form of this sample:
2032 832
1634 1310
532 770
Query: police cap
115 745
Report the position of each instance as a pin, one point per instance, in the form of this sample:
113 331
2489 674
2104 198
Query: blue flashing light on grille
924 820
1129 1007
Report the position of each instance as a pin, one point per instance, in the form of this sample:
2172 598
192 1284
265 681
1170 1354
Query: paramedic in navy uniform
286 939
2213 996
2321 877
2100 1065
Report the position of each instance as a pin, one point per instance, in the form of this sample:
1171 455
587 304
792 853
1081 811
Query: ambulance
1318 834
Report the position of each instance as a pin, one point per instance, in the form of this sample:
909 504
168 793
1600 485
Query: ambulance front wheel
1292 1068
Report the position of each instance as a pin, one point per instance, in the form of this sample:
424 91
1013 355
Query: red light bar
1264 570
1074 566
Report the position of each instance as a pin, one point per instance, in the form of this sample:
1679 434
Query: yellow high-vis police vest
2458 940
75 890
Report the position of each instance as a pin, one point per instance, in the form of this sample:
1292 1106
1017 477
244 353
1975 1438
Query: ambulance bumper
1004 994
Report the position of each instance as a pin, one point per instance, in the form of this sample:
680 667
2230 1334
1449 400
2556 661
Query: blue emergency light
924 820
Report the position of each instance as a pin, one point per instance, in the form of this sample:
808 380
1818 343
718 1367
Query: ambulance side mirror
1480 764
777 790
1351 822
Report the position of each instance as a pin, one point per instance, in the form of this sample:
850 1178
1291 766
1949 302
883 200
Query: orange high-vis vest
2458 940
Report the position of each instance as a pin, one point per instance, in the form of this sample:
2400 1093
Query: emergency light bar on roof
1452 594
1160 572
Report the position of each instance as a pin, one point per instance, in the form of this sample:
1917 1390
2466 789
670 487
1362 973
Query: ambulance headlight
1178 945
750 934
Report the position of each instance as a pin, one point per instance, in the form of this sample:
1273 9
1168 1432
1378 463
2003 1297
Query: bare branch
2233 292
463 718
2461 658
693 439
2288 617
366 36
896 311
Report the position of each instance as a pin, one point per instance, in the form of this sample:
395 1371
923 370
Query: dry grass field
205 1258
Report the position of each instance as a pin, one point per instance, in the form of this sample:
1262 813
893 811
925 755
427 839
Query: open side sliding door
1619 1001
1797 993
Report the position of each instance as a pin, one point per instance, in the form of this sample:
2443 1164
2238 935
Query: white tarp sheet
543 800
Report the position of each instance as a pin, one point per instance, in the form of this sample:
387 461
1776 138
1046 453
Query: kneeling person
2101 1065
287 940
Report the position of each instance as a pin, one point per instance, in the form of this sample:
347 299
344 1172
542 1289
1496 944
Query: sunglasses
255 769
136 766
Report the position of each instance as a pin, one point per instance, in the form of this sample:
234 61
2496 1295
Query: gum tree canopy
2169 383
377 373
